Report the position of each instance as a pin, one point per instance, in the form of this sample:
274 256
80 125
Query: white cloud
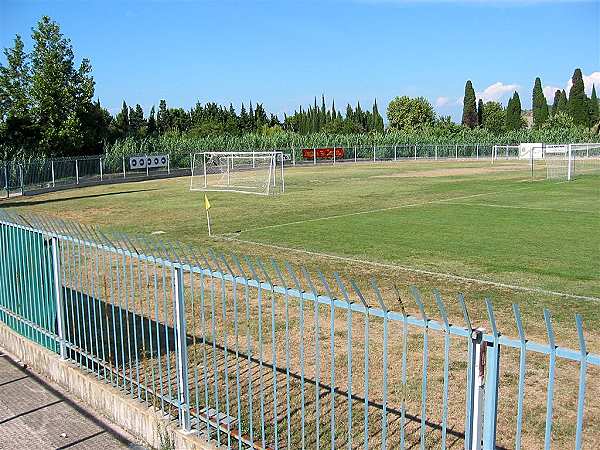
549 92
496 91
442 101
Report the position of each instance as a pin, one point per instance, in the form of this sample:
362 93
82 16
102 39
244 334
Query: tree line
576 110
47 109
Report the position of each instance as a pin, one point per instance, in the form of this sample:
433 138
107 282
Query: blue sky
283 53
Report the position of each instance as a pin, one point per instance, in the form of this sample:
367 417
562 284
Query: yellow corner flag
207 207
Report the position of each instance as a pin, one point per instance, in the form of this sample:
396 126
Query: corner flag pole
207 207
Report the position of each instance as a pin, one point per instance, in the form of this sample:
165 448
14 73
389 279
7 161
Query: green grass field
459 226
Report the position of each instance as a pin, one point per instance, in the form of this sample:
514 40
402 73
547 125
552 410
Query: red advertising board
323 153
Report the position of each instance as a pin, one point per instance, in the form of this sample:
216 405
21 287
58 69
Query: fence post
58 295
477 151
293 156
334 147
182 356
314 155
354 154
169 163
373 153
6 182
415 152
21 179
147 169
395 153
456 151
492 375
52 170
123 166
475 390
570 164
76 172
436 152
101 174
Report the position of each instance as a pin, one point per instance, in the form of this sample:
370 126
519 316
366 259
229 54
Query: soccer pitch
461 226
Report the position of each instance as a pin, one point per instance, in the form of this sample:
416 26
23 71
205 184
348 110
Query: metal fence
252 355
59 173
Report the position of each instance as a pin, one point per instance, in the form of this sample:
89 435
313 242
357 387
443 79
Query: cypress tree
513 113
540 106
594 108
480 113
151 122
563 103
578 107
122 120
469 117
557 96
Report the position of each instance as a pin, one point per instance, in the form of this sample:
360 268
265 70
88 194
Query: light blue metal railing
255 355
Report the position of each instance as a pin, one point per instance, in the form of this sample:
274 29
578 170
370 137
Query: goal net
565 162
244 172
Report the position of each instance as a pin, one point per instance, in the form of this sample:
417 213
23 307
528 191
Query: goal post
568 161
259 173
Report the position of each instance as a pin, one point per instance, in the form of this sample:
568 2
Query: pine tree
469 117
594 108
513 113
480 112
578 107
539 104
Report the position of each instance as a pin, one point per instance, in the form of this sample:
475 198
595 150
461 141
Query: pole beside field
58 296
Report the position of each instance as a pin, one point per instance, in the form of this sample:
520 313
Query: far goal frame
275 181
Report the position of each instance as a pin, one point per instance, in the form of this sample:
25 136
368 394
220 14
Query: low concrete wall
135 417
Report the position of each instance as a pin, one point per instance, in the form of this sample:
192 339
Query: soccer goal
565 162
244 172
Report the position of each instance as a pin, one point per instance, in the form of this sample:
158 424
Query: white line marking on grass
414 270
388 208
495 205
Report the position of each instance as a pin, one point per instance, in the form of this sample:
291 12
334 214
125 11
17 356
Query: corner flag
207 207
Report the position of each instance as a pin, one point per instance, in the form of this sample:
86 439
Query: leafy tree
480 112
494 117
17 129
514 121
578 107
594 108
60 93
559 121
469 117
540 106
405 113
